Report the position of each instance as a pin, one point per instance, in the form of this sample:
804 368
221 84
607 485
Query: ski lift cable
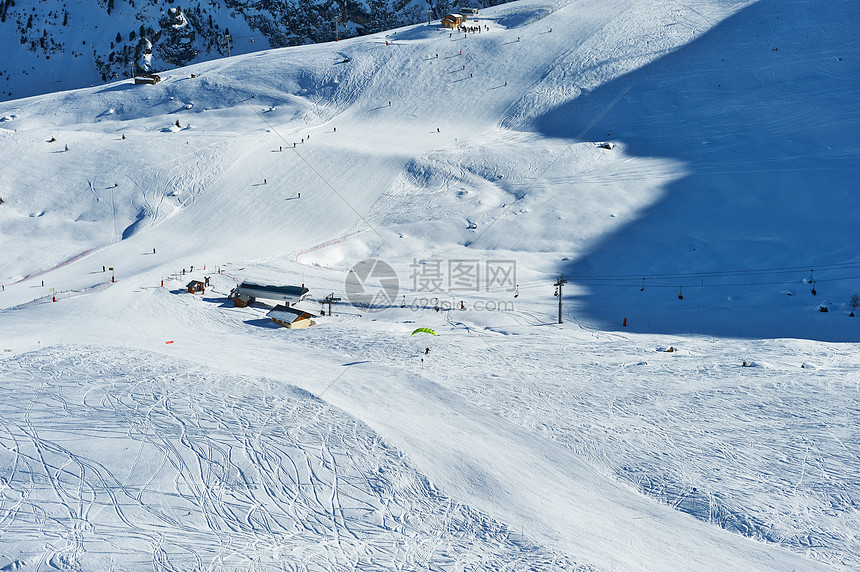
501 289
653 280
691 284
712 274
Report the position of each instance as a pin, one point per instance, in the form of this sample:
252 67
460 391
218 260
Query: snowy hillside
49 46
687 168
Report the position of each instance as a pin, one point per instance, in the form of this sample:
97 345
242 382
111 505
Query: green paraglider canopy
424 330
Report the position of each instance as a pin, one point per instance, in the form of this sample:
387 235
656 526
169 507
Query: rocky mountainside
47 46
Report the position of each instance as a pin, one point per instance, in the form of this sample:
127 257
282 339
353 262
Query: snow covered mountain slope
146 426
761 112
47 46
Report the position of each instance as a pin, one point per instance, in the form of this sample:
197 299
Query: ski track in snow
118 458
765 451
184 468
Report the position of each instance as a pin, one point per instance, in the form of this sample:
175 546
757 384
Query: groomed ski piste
690 168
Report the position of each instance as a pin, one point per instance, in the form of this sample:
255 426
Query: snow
145 427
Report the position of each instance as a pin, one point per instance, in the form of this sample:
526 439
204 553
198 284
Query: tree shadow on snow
761 113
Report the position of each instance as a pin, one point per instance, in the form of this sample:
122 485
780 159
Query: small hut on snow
452 20
147 79
292 318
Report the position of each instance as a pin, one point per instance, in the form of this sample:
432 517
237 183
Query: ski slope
628 145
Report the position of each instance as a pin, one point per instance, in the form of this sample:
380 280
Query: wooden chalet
146 79
241 301
452 20
196 286
292 318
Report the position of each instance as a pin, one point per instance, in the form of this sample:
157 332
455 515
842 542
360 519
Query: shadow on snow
761 112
